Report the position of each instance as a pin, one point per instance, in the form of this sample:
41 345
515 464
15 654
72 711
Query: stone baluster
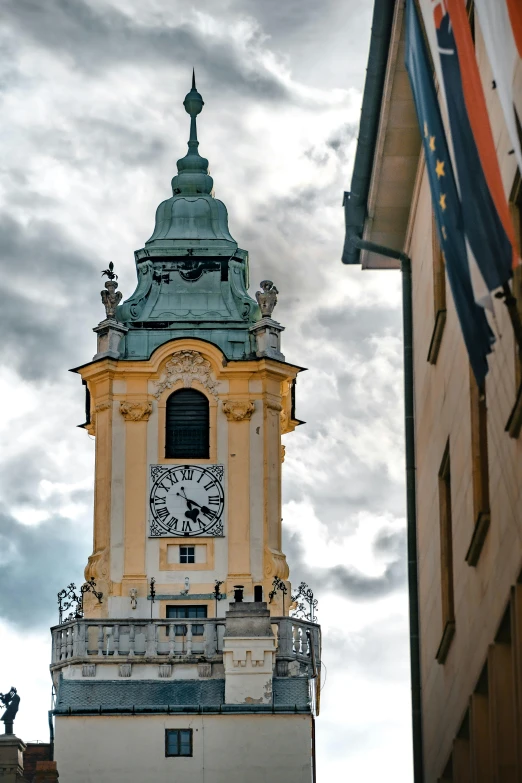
69 644
63 645
100 640
81 640
284 638
116 639
295 639
172 639
189 638
75 639
132 642
151 649
210 639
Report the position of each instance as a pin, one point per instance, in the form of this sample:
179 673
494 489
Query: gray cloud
39 332
346 581
94 40
35 563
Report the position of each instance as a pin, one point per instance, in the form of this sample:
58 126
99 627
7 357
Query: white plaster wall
221 544
141 671
256 488
227 749
153 457
117 493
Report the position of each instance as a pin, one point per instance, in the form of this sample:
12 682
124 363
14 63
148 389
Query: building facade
186 664
466 522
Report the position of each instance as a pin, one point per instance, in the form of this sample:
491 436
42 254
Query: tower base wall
226 748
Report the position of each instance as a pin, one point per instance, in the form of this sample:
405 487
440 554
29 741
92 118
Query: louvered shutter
187 425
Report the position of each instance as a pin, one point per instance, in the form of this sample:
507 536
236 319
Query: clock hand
204 509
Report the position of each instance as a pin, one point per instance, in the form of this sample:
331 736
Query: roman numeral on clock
187 474
213 500
162 513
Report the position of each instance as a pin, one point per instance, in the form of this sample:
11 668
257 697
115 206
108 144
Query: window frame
169 442
514 422
178 732
201 612
446 557
439 295
480 471
187 554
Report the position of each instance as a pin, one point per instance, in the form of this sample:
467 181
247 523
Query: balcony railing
169 639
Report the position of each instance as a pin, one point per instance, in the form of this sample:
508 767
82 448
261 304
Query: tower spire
193 104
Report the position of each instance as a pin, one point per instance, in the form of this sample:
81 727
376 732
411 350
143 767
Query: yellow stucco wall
250 407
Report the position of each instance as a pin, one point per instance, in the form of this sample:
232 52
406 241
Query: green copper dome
192 214
192 276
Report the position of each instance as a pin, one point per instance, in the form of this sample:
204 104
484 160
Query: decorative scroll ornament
304 605
238 410
187 366
135 411
267 298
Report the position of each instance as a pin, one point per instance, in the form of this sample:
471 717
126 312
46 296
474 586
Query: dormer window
187 428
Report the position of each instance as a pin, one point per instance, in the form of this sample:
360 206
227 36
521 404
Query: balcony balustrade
172 640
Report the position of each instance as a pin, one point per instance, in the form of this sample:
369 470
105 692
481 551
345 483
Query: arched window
187 431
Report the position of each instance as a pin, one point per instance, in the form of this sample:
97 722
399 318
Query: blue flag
482 226
477 335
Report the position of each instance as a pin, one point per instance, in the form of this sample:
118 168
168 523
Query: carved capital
187 366
135 411
275 564
103 406
238 410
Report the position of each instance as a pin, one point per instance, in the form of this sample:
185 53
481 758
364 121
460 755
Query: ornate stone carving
164 670
204 670
267 298
187 366
238 410
135 411
97 568
283 452
125 670
275 564
284 422
89 670
111 298
103 406
133 593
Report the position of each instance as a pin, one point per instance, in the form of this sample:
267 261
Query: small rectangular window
178 742
186 612
480 470
439 295
446 557
187 554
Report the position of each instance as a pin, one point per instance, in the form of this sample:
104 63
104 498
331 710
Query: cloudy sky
92 123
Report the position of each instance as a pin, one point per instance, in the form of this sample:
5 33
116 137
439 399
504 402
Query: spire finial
193 104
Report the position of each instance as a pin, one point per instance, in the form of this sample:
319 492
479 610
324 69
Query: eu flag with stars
445 199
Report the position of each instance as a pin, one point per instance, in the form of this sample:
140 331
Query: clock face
186 500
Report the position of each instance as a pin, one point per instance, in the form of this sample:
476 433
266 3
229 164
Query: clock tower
185 663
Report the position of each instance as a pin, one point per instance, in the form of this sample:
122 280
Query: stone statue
11 701
110 297
267 298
